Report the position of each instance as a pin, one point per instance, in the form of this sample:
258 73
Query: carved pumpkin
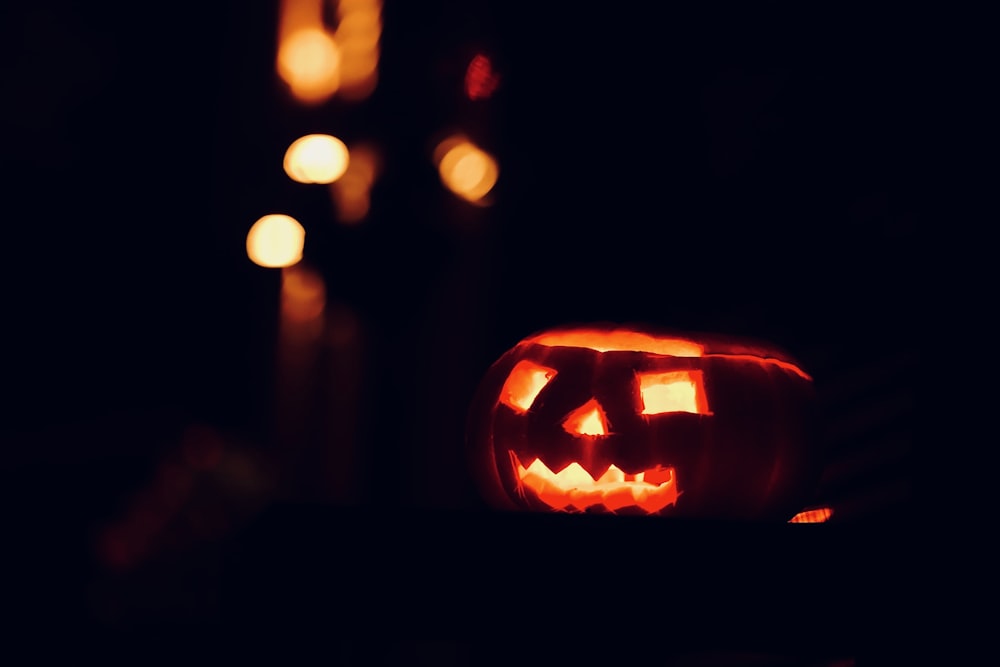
635 420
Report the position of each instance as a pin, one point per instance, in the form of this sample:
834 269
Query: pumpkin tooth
547 490
574 475
574 487
611 475
538 469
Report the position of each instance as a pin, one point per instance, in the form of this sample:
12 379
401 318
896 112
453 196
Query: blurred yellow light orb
316 158
309 62
466 169
275 241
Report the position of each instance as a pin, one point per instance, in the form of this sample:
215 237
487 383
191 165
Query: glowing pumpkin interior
674 391
814 515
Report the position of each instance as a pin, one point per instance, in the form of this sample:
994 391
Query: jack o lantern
637 420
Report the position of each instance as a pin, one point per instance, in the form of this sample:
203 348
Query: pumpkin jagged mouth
574 488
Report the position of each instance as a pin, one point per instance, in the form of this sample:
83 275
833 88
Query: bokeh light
303 294
351 193
465 169
480 79
359 31
309 62
814 515
276 240
316 158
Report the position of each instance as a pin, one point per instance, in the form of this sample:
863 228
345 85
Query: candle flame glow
275 241
309 62
316 158
351 192
465 169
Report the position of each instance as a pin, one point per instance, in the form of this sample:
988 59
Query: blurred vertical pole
300 330
340 407
327 57
296 15
317 401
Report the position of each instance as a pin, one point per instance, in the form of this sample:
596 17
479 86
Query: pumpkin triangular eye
588 419
673 391
524 383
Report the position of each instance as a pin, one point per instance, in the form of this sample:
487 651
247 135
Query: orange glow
318 62
359 75
465 169
275 240
588 419
360 24
303 294
766 360
352 198
359 31
364 164
298 14
624 340
309 62
352 192
480 79
574 488
817 515
621 340
316 158
523 385
675 391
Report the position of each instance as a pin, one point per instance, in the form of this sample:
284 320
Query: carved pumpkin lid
638 337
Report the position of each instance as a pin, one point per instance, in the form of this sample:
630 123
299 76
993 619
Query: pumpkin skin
633 419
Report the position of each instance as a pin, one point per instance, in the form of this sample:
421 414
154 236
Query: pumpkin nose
588 419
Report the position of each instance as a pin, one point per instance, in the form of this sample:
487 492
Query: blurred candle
300 328
316 158
308 58
318 397
466 169
359 32
275 240
340 406
351 193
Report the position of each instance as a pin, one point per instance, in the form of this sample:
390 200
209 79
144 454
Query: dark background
756 171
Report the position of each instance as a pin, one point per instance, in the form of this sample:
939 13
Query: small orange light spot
351 192
817 515
275 240
360 26
480 79
316 158
588 419
525 382
674 391
309 62
303 294
465 169
359 31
